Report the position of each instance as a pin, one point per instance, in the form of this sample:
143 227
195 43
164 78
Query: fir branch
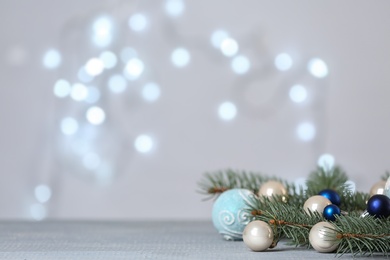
326 178
215 183
362 236
287 220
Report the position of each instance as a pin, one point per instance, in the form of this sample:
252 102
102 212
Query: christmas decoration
316 203
258 235
330 211
349 233
229 213
323 238
272 188
387 188
378 188
379 205
331 195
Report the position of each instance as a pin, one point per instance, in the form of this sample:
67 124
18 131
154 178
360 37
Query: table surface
132 240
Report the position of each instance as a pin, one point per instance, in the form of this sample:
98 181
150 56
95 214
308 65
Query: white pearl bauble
322 238
378 188
272 188
316 203
258 235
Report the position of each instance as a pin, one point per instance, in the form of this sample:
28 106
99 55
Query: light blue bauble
229 214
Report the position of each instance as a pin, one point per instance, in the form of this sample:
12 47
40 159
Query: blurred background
115 109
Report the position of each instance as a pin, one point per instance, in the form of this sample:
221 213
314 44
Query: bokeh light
134 68
326 161
79 92
317 68
138 22
283 62
227 111
94 67
42 193
143 143
180 57
240 64
150 92
69 126
95 115
52 59
102 31
229 47
62 88
174 8
38 211
93 95
117 83
217 37
109 59
298 93
306 131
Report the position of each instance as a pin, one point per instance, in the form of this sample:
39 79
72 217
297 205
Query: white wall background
350 107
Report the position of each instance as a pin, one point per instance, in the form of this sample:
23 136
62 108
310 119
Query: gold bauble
270 189
378 188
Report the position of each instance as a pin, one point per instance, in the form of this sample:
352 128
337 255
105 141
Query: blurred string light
151 92
317 68
229 47
138 22
102 31
52 59
133 69
117 83
109 59
227 111
326 161
240 64
69 126
95 115
174 8
218 37
79 92
38 211
306 131
180 57
143 143
283 62
94 67
42 193
62 88
298 93
93 95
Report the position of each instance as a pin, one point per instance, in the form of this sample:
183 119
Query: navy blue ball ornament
332 196
379 206
330 211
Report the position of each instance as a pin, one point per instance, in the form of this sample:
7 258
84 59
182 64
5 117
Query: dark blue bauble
379 206
332 196
330 211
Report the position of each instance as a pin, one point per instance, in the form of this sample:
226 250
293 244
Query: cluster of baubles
232 220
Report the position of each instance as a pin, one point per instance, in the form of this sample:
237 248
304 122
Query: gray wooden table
131 240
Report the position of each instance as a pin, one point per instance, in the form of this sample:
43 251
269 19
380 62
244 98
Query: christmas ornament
273 188
316 203
322 238
331 195
378 188
387 188
379 205
258 235
330 211
229 215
